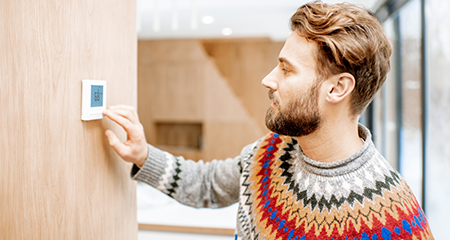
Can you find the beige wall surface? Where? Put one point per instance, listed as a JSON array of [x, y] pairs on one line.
[[59, 179]]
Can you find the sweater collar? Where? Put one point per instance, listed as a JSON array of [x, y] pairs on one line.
[[343, 166]]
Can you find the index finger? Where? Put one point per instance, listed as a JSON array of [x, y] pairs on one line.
[[125, 107], [126, 123], [126, 113]]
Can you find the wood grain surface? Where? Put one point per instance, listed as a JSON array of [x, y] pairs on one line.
[[59, 178]]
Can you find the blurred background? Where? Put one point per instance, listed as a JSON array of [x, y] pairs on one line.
[[200, 64]]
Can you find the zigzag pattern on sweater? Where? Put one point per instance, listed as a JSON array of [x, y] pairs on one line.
[[283, 205], [322, 202], [244, 222]]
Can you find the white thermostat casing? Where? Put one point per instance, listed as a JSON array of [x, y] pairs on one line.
[[93, 99]]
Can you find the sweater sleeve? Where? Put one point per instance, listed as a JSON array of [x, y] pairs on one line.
[[199, 184]]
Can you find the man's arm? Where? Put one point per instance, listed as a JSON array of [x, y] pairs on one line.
[[197, 184]]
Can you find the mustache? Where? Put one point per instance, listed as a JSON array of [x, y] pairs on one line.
[[272, 97]]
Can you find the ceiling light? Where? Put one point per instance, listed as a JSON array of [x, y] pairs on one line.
[[208, 19], [227, 31]]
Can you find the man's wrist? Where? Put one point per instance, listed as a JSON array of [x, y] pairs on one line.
[[142, 160], [139, 165]]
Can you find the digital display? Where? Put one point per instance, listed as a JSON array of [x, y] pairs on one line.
[[96, 96]]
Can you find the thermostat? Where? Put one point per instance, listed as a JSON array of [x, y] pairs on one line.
[[93, 99]]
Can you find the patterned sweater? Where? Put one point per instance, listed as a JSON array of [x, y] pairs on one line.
[[283, 194]]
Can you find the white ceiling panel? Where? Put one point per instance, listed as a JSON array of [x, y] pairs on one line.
[[175, 19]]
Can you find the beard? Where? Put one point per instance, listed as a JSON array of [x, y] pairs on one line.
[[299, 117]]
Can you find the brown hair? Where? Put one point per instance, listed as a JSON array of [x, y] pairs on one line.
[[349, 39]]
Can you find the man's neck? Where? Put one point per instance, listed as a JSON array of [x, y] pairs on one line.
[[331, 143]]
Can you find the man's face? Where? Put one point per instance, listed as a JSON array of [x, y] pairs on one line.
[[294, 90]]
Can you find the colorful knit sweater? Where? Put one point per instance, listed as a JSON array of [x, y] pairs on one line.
[[283, 194]]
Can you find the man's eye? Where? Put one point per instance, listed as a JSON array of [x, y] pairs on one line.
[[285, 70]]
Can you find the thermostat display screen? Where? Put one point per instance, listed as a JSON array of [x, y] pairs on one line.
[[96, 96], [93, 99]]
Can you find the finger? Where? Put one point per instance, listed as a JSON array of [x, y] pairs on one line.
[[131, 129], [125, 107], [131, 108], [126, 111], [126, 114], [116, 144]]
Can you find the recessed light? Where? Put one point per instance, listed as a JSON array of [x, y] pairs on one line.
[[227, 31], [208, 19]]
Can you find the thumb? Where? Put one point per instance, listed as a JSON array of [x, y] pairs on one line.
[[115, 143], [112, 138]]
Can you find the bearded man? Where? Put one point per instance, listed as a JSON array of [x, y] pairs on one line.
[[317, 175]]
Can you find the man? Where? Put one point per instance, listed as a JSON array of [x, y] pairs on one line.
[[318, 175]]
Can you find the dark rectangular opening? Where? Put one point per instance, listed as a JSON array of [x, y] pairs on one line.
[[179, 134]]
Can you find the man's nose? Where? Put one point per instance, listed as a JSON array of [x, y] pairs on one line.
[[270, 82]]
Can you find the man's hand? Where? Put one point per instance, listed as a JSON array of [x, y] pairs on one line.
[[135, 149]]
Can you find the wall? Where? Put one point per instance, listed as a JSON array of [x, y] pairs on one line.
[[214, 83], [244, 63], [59, 178]]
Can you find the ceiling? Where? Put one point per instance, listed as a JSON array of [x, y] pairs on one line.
[[175, 19]]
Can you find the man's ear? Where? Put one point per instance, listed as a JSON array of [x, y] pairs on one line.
[[340, 86]]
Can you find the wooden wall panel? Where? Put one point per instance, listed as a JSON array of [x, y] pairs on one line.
[[59, 178], [244, 63], [228, 124], [179, 82], [171, 88], [176, 81]]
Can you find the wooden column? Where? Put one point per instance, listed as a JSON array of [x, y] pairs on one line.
[[59, 179]]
